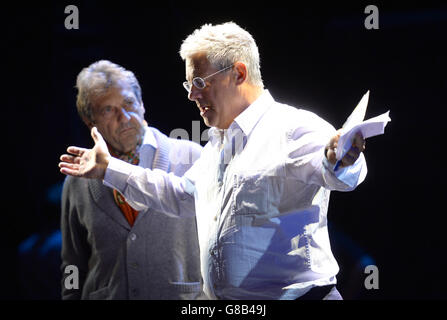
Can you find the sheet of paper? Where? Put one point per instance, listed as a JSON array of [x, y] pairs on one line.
[[358, 114], [369, 128]]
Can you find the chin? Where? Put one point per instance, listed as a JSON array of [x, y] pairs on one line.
[[129, 144], [209, 122]]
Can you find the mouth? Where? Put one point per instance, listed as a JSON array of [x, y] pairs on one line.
[[125, 130], [204, 110]]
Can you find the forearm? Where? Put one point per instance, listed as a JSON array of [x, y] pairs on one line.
[[156, 189], [307, 161]]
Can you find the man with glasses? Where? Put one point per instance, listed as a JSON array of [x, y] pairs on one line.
[[119, 252], [260, 190]]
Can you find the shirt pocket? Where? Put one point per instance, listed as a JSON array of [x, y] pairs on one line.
[[257, 193]]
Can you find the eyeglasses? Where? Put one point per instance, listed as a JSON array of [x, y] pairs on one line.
[[199, 82]]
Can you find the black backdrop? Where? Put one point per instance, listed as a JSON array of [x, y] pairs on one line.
[[319, 57]]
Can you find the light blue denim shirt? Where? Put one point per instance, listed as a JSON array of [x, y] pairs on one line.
[[260, 191]]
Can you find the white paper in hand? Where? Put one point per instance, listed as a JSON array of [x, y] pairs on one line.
[[355, 123]]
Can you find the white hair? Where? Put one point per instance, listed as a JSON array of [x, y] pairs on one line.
[[223, 45]]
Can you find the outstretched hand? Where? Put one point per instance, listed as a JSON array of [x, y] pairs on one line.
[[358, 146], [87, 163]]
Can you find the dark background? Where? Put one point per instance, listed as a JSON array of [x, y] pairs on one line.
[[319, 57]]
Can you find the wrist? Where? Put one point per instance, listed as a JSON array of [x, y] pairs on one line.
[[102, 163], [105, 165]]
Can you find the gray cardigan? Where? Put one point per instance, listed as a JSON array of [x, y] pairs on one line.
[[157, 258]]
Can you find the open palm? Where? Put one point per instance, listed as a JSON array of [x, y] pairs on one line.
[[86, 163]]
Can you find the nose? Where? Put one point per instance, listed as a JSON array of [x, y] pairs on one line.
[[123, 115], [194, 93]]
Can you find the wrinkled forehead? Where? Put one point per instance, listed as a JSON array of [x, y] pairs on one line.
[[115, 93], [197, 66], [125, 90]]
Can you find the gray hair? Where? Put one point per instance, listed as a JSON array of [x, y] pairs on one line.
[[225, 44], [96, 79]]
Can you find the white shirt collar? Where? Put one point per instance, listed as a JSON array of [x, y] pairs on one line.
[[248, 118]]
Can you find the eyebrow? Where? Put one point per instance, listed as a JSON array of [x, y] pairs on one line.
[[193, 73], [129, 99]]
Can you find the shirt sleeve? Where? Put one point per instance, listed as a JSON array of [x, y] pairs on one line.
[[156, 189], [306, 160], [346, 178]]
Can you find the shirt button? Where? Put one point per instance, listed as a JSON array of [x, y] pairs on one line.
[[134, 265], [133, 236], [134, 292]]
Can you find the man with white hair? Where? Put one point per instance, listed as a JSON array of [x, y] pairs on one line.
[[260, 189], [119, 252]]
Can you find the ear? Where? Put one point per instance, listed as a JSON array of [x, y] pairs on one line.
[[241, 72]]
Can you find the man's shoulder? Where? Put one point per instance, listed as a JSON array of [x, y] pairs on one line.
[[75, 187], [75, 182], [293, 111], [290, 117]]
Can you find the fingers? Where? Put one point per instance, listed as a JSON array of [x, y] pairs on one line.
[[347, 161], [354, 153], [359, 142], [331, 151], [335, 138], [69, 169], [76, 151], [331, 147], [97, 137], [351, 156], [70, 159], [94, 133], [69, 172], [72, 166], [69, 164]]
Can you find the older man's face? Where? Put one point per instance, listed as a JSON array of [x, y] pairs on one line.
[[119, 117], [215, 101]]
